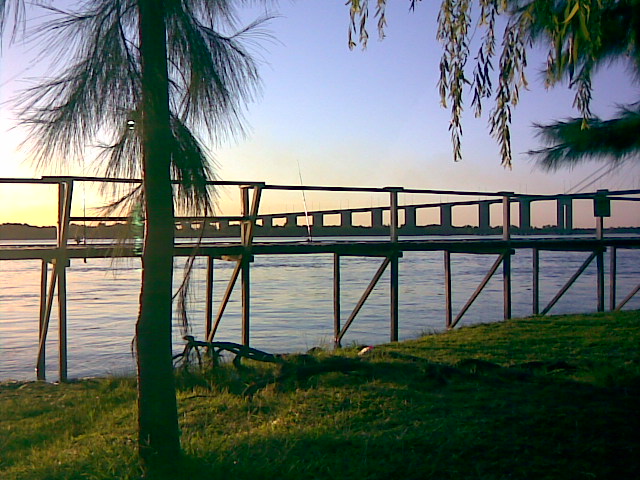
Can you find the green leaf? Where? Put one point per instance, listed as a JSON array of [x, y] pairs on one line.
[[572, 13]]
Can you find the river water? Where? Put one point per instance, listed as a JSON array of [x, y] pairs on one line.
[[291, 303]]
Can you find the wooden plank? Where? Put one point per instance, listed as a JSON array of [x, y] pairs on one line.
[[479, 289], [363, 298], [225, 300], [628, 297], [234, 250], [569, 283]]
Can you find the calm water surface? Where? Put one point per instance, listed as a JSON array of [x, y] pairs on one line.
[[291, 303]]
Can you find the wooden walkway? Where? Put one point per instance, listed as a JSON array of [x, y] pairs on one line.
[[243, 251], [220, 250]]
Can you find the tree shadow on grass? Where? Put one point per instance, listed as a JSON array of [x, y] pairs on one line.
[[406, 417]]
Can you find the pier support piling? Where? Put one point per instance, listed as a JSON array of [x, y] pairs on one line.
[[209, 298], [535, 284], [65, 192], [245, 282], [447, 290], [394, 298], [336, 301], [43, 323], [506, 262], [613, 267]]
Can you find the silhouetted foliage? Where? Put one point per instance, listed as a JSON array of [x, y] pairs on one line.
[[581, 36]]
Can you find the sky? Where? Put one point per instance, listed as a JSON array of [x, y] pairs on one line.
[[331, 116]]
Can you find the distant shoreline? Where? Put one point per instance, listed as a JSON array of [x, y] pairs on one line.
[[23, 231]]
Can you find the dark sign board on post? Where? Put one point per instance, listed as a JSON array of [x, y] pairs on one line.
[[602, 204]]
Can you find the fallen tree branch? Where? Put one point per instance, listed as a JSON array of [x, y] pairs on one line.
[[215, 349]]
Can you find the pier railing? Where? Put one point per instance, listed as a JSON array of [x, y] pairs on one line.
[[250, 220]]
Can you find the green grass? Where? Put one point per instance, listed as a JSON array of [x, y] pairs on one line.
[[545, 397]]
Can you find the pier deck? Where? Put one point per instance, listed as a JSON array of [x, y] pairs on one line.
[[340, 247]]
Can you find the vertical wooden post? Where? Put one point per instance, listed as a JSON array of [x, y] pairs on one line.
[[62, 319], [599, 228], [447, 289], [613, 277], [209, 301], [506, 215], [41, 363], [600, 279], [65, 190], [506, 281], [246, 297], [506, 262], [46, 316], [394, 283], [393, 213], [244, 227], [245, 267], [600, 265], [336, 301], [536, 281], [393, 336]]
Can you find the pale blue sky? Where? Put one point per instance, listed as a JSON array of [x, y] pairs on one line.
[[371, 118]]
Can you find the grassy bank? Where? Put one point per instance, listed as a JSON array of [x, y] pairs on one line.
[[552, 397]]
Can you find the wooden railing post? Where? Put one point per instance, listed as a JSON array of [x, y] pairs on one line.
[[393, 213], [506, 215], [506, 262], [394, 259]]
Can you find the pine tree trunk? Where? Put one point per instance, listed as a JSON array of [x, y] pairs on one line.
[[159, 442]]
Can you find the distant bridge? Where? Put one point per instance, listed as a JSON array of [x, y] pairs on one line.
[[265, 223]]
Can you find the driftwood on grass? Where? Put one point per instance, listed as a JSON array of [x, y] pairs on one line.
[[299, 367], [215, 348]]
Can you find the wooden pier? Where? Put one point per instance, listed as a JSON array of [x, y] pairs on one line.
[[56, 259]]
